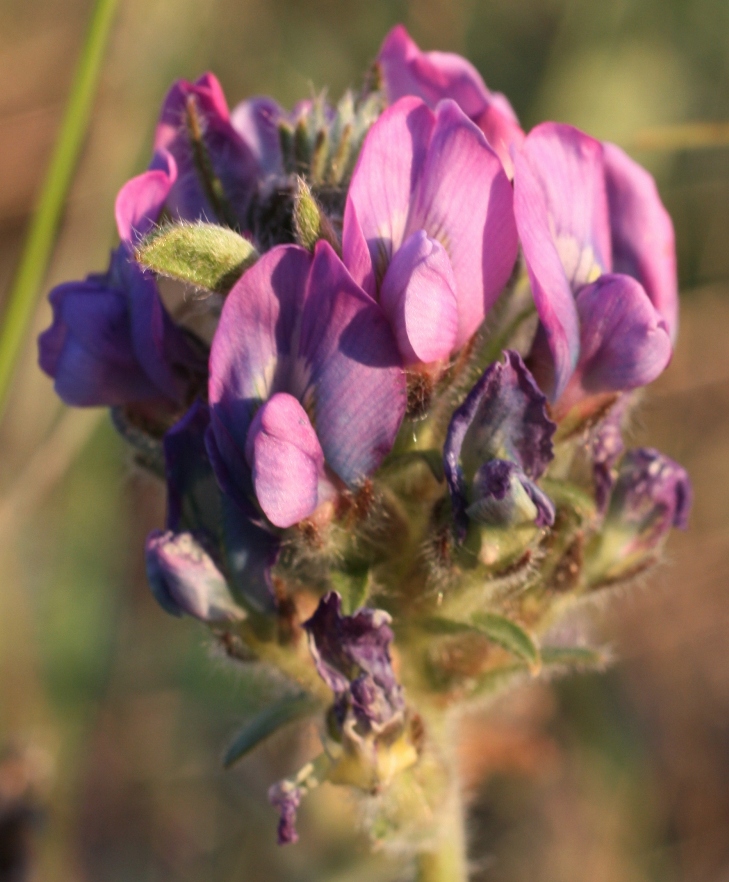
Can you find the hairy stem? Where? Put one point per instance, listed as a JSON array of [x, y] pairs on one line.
[[42, 233], [448, 862]]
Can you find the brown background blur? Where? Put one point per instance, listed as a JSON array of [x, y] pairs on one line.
[[113, 715]]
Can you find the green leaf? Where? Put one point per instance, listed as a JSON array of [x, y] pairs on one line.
[[204, 255], [268, 721], [353, 588], [498, 629], [574, 656], [507, 634]]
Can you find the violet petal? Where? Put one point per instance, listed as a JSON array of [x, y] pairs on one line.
[[624, 342], [418, 295], [286, 460], [562, 216], [651, 495], [465, 201], [433, 76], [355, 649], [349, 369], [503, 417], [643, 240]]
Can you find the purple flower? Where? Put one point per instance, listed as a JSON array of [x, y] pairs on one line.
[[433, 76], [286, 797], [578, 207], [196, 504], [185, 579], [111, 341], [652, 493], [499, 443], [218, 171], [352, 655], [306, 387], [428, 226]]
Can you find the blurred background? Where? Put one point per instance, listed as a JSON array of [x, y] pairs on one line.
[[114, 716]]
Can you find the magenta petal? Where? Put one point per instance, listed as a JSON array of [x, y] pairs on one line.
[[624, 341], [252, 345], [349, 369], [433, 76], [226, 155], [419, 297], [499, 124], [355, 253], [643, 240], [464, 199], [389, 164], [562, 216], [140, 201], [287, 461]]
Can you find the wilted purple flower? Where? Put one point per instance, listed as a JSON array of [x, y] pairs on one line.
[[305, 387], [185, 579], [433, 76], [352, 655], [286, 797], [111, 341], [218, 171], [600, 331], [429, 227], [499, 443]]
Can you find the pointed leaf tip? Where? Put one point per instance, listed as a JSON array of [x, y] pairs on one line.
[[266, 722], [510, 636], [205, 255]]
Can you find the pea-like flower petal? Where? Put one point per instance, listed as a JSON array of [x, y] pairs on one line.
[[433, 76], [643, 239]]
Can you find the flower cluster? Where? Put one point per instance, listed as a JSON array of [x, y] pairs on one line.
[[391, 424]]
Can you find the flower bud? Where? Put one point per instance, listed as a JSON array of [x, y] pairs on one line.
[[652, 493], [185, 579]]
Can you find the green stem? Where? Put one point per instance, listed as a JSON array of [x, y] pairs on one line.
[[41, 237], [448, 862]]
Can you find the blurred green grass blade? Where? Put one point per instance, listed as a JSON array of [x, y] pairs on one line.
[[268, 721], [42, 234]]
